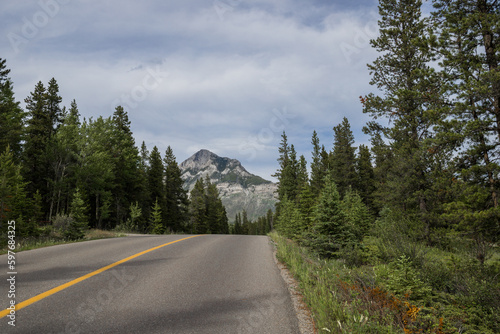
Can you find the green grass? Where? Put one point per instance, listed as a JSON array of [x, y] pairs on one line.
[[443, 292], [49, 237]]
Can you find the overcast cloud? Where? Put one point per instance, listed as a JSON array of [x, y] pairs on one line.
[[226, 75]]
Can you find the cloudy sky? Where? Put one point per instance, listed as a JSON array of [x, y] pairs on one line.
[[225, 75]]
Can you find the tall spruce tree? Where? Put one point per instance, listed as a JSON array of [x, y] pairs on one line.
[[366, 175], [12, 117], [470, 47], [198, 208], [318, 170], [126, 166], [37, 137], [176, 200], [411, 92], [155, 179], [343, 158]]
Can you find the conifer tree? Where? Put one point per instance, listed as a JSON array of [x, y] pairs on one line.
[[155, 219], [318, 170], [79, 218], [13, 201], [343, 159], [52, 103], [470, 47], [237, 224], [410, 100], [330, 231], [197, 208], [38, 130], [288, 170], [12, 117], [366, 176], [155, 179], [176, 197], [126, 166]]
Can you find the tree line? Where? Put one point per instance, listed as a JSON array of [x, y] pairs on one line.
[[56, 168], [435, 135], [417, 213]]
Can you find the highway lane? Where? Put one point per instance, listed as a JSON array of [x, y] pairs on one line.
[[205, 284]]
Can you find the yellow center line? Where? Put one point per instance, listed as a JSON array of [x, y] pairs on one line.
[[82, 278]]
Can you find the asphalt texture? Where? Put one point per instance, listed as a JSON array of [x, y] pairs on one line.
[[206, 284]]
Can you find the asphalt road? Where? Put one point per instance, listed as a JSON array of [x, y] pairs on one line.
[[205, 284]]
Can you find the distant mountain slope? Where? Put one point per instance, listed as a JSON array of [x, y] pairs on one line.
[[239, 189]]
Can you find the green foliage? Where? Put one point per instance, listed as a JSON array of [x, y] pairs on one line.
[[12, 117], [402, 279], [79, 220], [343, 159], [176, 200], [290, 222], [155, 219]]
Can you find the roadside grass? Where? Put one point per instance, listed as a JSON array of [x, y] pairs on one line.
[[50, 237], [442, 294]]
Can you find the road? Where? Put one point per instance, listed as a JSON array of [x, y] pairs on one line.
[[203, 284]]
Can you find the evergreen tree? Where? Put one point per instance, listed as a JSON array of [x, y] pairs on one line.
[[94, 170], [13, 201], [52, 103], [79, 219], [155, 179], [12, 116], [366, 175], [470, 47], [287, 172], [63, 151], [318, 170], [343, 159], [126, 166], [410, 102], [197, 208], [176, 197], [155, 221], [330, 231], [357, 216], [237, 224], [290, 222], [38, 130]]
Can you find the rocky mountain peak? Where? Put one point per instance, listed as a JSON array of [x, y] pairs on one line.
[[239, 189]]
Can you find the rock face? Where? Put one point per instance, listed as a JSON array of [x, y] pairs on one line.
[[238, 189]]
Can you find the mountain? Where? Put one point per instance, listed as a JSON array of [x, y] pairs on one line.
[[239, 190]]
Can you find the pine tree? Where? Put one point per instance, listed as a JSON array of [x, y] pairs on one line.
[[52, 103], [155, 220], [287, 172], [94, 170], [198, 208], [410, 101], [318, 170], [155, 179], [176, 197], [13, 202], [78, 213], [12, 117], [126, 166], [470, 47], [330, 231], [343, 159], [63, 157], [38, 131], [366, 175], [237, 224]]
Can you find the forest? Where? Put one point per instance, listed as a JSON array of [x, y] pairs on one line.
[[403, 235], [59, 172]]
